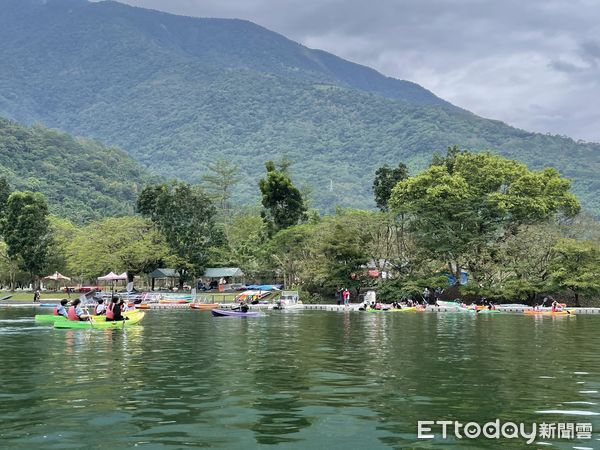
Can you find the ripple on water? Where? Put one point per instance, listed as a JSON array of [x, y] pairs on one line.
[[566, 412], [305, 380]]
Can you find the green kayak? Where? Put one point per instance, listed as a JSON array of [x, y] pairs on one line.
[[490, 311], [51, 318]]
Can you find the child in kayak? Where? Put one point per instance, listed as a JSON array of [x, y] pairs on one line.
[[76, 312], [100, 308], [60, 310]]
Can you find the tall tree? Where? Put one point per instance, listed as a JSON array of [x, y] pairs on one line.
[[222, 175], [282, 201], [577, 267], [186, 217], [117, 244], [386, 178], [5, 191], [26, 231], [457, 207]]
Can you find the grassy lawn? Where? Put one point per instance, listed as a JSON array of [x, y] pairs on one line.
[[27, 297]]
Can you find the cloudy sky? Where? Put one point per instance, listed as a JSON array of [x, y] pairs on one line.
[[534, 64]]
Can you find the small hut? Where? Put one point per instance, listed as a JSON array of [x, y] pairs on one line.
[[165, 275], [221, 276]]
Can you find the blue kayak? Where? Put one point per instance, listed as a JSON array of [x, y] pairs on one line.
[[231, 313]]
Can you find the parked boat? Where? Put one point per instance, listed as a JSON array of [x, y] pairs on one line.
[[231, 313], [204, 306], [288, 300]]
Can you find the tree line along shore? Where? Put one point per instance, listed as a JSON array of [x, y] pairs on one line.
[[508, 233]]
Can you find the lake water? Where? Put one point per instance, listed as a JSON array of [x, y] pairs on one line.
[[299, 380]]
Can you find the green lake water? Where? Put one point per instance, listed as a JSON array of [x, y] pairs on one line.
[[299, 380]]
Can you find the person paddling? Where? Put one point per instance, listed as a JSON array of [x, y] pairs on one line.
[[60, 310], [76, 312]]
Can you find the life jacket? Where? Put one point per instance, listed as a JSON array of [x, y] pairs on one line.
[[96, 313], [56, 310], [110, 311], [71, 315]]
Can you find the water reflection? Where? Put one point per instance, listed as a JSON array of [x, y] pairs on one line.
[[308, 379]]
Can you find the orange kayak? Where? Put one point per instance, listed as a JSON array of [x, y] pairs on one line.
[[142, 306], [173, 302], [204, 305], [564, 312]]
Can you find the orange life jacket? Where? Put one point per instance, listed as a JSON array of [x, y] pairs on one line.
[[71, 314], [110, 314]]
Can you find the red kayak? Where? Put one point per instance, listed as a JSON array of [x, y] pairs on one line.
[[204, 305]]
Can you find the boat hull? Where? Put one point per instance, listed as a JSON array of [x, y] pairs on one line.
[[204, 306], [226, 313], [100, 324]]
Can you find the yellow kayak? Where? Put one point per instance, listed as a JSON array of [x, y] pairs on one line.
[[134, 319]]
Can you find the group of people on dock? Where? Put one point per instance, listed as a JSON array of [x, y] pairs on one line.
[[76, 311]]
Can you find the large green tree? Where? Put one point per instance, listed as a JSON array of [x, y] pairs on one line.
[[386, 178], [577, 267], [282, 201], [27, 231], [463, 202], [218, 181], [129, 243], [185, 215]]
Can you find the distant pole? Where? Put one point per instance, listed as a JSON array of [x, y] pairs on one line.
[[330, 185]]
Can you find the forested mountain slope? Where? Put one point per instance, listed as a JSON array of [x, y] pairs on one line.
[[177, 92], [82, 179]]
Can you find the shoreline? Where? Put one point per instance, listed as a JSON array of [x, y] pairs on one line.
[[320, 307]]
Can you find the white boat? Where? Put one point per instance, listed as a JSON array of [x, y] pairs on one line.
[[288, 300]]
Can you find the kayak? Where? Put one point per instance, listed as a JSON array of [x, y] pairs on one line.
[[100, 324], [489, 311], [229, 313], [204, 305], [566, 312], [51, 318], [448, 304], [174, 302], [394, 310]]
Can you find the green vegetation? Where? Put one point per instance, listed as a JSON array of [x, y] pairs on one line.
[[82, 180], [386, 179], [282, 201], [516, 232], [179, 92], [186, 218], [465, 202], [26, 231]]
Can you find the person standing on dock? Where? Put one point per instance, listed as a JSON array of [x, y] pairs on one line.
[[36, 296]]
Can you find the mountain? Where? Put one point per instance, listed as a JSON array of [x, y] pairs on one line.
[[82, 179], [177, 92]]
